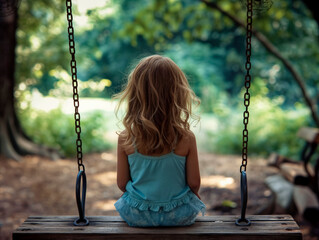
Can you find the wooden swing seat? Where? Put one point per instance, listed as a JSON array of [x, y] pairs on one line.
[[275, 227]]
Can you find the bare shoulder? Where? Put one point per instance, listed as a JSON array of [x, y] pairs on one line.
[[121, 139], [121, 144], [188, 138], [186, 143]]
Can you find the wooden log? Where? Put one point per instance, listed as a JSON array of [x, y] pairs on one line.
[[276, 227], [282, 189], [291, 171], [307, 203], [275, 160], [311, 135]]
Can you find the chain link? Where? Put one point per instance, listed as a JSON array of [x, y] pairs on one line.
[[247, 84], [76, 102]]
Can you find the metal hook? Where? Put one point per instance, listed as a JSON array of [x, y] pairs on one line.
[[82, 220], [242, 221]]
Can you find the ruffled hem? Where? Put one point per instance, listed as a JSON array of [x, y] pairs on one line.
[[144, 205]]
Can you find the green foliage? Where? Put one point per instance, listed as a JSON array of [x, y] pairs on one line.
[[206, 44], [42, 43], [205, 79], [56, 129], [271, 128], [286, 24], [229, 204], [115, 34]]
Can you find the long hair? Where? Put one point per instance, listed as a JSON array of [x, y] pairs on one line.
[[159, 105]]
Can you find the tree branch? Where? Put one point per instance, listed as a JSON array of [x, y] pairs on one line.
[[274, 51]]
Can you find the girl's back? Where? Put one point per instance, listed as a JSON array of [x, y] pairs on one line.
[[152, 174]]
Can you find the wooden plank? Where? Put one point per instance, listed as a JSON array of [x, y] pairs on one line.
[[276, 227], [42, 226], [226, 218], [311, 135]]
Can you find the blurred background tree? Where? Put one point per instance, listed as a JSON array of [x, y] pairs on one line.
[[205, 38]]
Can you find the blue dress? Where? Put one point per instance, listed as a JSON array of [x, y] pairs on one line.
[[158, 194]]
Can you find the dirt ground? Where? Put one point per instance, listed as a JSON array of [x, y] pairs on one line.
[[39, 186]]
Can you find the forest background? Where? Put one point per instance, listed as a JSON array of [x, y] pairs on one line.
[[206, 40]]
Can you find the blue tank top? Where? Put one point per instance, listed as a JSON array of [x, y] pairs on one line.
[[157, 181]]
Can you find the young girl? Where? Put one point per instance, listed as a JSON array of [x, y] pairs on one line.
[[157, 162]]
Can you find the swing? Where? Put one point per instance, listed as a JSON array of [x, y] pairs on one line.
[[113, 227]]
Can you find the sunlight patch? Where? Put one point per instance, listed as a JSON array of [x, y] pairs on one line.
[[106, 178], [108, 156], [218, 181], [105, 205]]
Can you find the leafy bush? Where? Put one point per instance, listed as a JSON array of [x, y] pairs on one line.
[[271, 128], [56, 129]]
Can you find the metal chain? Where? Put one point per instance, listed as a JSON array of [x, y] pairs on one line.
[[75, 85], [247, 84]]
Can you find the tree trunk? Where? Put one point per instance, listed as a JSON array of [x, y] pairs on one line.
[[13, 142], [313, 8], [273, 50]]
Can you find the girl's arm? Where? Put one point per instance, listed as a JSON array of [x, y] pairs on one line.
[[192, 167], [123, 169]]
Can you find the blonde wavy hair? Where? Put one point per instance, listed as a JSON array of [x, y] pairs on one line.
[[159, 105]]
